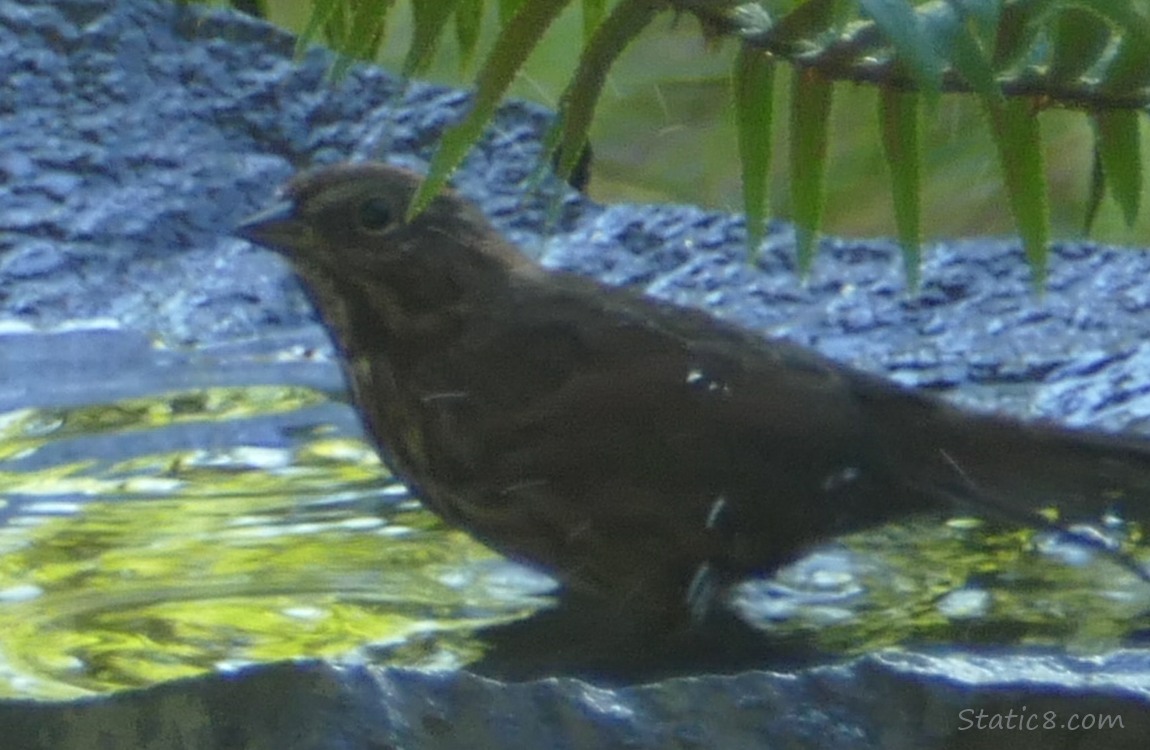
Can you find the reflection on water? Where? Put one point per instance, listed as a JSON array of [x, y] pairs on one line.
[[117, 573], [962, 582], [130, 553]]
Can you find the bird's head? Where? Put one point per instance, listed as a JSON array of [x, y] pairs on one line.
[[353, 217]]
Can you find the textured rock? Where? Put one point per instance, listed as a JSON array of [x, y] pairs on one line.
[[136, 133], [876, 703], [141, 132]]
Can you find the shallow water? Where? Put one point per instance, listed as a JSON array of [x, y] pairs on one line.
[[129, 556], [160, 535]]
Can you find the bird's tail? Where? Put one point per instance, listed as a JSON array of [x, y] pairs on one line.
[[1020, 470]]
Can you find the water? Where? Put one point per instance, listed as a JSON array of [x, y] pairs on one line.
[[164, 535], [188, 515]]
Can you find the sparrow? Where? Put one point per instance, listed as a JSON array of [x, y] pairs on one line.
[[644, 454]]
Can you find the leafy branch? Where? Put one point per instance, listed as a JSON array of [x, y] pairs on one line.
[[1018, 57]]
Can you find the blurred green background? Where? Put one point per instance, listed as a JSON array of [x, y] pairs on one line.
[[664, 132]]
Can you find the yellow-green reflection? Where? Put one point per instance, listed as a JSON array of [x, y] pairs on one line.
[[184, 562], [963, 582], [134, 593], [126, 572]]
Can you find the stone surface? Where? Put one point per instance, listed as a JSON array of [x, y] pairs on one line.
[[138, 132], [884, 702]]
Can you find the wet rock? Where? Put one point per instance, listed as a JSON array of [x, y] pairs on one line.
[[135, 133]]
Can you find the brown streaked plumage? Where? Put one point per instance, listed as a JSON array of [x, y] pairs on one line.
[[644, 453]]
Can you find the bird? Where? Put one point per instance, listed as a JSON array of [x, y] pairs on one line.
[[646, 455]]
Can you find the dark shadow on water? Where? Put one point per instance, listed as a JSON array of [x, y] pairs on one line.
[[577, 639]]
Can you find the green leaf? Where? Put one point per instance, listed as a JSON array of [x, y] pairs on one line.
[[754, 84], [367, 27], [1122, 14], [957, 43], [805, 22], [508, 9], [1129, 70], [577, 105], [1117, 144], [356, 30], [1014, 125], [322, 11], [1097, 190], [429, 20], [516, 40], [898, 121], [468, 22], [900, 25], [984, 12], [1019, 23], [593, 11], [1080, 38], [810, 118]]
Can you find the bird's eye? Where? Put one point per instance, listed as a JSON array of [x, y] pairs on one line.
[[375, 214]]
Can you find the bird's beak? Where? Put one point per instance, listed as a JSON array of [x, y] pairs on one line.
[[277, 227]]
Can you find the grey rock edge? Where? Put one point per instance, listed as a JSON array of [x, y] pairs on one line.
[[138, 133], [876, 703]]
